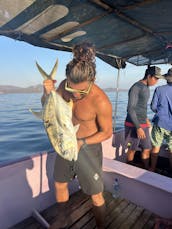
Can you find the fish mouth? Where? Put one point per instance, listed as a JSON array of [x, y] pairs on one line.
[[47, 124]]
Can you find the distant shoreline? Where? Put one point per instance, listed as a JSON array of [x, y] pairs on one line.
[[9, 89]]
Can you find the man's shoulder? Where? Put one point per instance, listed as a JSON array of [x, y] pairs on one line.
[[99, 94], [138, 86], [98, 90], [162, 87]]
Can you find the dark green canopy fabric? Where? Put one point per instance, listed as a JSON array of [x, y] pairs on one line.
[[138, 32]]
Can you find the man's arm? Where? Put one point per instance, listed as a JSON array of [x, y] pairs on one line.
[[132, 102], [154, 101]]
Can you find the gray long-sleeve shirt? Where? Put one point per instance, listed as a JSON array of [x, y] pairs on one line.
[[138, 96]]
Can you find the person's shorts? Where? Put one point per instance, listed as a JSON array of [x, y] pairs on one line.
[[159, 135], [88, 169], [135, 143]]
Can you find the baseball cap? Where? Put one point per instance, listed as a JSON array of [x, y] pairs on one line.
[[154, 71], [168, 76]]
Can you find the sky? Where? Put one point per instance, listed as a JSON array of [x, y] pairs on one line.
[[17, 61]]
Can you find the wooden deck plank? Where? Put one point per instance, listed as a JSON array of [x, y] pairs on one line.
[[78, 213], [78, 205], [83, 221], [91, 223], [116, 211], [122, 217], [120, 213], [142, 220], [76, 200], [130, 221], [51, 213], [110, 209], [150, 223]]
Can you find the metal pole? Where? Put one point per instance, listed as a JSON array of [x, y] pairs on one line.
[[40, 219], [116, 100]]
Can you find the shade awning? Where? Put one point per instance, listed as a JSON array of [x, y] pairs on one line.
[[138, 32]]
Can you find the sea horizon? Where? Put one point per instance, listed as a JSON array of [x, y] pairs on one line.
[[22, 134]]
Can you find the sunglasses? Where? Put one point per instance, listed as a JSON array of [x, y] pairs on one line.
[[82, 92]]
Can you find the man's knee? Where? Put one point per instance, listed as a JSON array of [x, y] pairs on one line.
[[130, 155], [61, 191], [61, 186], [146, 153], [98, 199], [155, 149]]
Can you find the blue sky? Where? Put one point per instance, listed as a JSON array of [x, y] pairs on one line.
[[18, 66]]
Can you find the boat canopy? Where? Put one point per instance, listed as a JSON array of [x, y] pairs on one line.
[[134, 31]]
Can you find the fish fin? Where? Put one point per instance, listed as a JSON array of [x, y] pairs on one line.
[[43, 73], [76, 127], [54, 70], [37, 114]]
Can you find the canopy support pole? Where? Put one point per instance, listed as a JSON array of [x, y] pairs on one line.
[[116, 100], [40, 219], [119, 64]]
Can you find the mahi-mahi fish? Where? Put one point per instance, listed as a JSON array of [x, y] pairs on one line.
[[57, 118]]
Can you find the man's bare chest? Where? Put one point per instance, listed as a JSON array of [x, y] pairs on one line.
[[84, 111]]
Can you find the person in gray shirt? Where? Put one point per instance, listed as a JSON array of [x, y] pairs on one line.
[[136, 123]]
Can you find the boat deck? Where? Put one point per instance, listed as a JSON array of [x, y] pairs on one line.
[[120, 214], [162, 168]]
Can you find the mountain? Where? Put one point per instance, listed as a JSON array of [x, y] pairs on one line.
[[7, 89], [109, 89]]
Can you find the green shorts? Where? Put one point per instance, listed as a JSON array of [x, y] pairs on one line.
[[159, 135], [87, 169]]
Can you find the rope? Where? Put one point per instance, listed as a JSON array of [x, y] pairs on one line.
[[116, 99]]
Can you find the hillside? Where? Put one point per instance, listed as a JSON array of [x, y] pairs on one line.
[[7, 89]]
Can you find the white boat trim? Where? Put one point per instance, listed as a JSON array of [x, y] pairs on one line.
[[147, 189], [27, 185]]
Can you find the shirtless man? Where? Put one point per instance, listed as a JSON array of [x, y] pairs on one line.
[[93, 111]]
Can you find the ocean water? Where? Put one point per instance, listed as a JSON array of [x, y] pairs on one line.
[[22, 134]]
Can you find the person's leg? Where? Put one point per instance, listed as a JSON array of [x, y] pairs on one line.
[[157, 135], [63, 172], [89, 173], [131, 142], [169, 142], [146, 146], [154, 157], [145, 158], [61, 192], [170, 160], [62, 196], [99, 210], [130, 155]]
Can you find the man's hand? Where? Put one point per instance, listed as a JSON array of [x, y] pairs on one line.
[[49, 86], [148, 122], [141, 133], [80, 143]]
